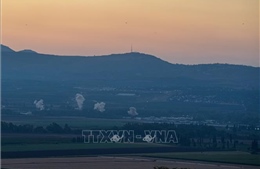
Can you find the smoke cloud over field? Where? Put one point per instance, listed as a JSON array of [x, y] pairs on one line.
[[132, 111], [100, 106], [80, 100], [27, 113], [39, 104]]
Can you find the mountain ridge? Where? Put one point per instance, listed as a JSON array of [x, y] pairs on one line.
[[5, 48], [130, 69]]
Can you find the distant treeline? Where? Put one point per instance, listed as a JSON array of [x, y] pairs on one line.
[[191, 130], [201, 136], [28, 128]]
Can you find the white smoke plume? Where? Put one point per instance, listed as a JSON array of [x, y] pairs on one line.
[[80, 100], [39, 104], [27, 113], [132, 111], [100, 106]]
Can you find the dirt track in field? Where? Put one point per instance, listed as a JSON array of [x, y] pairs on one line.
[[105, 162]]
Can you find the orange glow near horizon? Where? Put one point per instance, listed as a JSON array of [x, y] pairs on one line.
[[179, 31]]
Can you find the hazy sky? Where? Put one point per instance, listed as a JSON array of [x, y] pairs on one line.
[[179, 31]]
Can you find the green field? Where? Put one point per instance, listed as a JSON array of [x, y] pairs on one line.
[[35, 147], [236, 157]]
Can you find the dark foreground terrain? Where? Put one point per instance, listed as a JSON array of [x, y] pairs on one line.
[[102, 162]]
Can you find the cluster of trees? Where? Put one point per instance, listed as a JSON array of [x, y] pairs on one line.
[[162, 167], [199, 136], [254, 146], [188, 135]]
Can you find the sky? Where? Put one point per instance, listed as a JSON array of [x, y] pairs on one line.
[[178, 31]]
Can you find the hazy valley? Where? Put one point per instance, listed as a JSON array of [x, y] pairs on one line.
[[152, 86]]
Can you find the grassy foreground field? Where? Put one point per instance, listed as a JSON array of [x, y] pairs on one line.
[[235, 157], [112, 162], [68, 146]]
